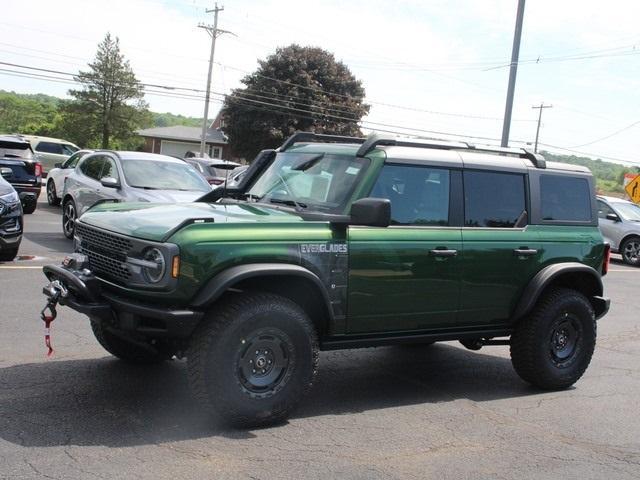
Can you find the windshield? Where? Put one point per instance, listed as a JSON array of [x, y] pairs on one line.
[[310, 181], [628, 211], [159, 175], [69, 149]]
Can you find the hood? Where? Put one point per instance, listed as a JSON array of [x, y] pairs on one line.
[[5, 187], [158, 221], [166, 196]]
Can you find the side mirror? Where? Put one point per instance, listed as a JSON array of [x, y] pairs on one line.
[[58, 165], [373, 212], [110, 182], [613, 217], [6, 172]]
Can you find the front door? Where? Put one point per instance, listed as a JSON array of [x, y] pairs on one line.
[[407, 276]]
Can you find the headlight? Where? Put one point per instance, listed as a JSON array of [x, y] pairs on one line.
[[154, 274], [10, 197]]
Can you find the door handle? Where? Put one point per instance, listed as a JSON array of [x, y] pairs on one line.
[[525, 252], [443, 252]]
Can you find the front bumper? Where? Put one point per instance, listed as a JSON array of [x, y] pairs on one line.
[[86, 296], [601, 306]]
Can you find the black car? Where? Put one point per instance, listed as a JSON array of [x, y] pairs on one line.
[[26, 173], [10, 219]]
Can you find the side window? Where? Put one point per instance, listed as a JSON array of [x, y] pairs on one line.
[[72, 161], [565, 198], [49, 147], [419, 195], [493, 199], [109, 169], [92, 167], [604, 209]]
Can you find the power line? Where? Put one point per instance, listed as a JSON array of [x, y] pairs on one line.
[[608, 136]]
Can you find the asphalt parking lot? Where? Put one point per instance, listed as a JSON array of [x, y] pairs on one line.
[[434, 412]]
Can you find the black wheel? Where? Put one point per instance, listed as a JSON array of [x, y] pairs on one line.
[[552, 348], [630, 251], [8, 254], [472, 343], [69, 215], [52, 197], [28, 207], [253, 359], [129, 351]]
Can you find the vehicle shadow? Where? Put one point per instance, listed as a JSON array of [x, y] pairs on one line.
[[107, 402]]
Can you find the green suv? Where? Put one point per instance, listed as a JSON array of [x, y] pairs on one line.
[[336, 242]]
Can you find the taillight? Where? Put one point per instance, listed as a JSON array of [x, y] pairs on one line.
[[38, 169], [607, 258]]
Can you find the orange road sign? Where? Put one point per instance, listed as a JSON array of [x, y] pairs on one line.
[[633, 189]]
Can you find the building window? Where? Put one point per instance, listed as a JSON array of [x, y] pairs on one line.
[[215, 152]]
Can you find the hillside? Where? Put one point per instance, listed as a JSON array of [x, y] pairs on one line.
[[36, 114]]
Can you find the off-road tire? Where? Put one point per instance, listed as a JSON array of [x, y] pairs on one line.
[[8, 255], [629, 251], [224, 344], [52, 196], [537, 342], [68, 209], [127, 351]]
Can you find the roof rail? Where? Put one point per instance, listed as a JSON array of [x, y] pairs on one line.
[[299, 137], [374, 140]]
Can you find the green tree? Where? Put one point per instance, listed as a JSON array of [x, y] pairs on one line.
[[296, 88], [111, 102]]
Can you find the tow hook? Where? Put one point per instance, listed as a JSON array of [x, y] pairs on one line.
[[54, 291]]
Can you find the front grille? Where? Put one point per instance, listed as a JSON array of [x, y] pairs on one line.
[[107, 252]]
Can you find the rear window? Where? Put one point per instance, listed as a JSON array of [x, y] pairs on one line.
[[15, 149], [565, 198]]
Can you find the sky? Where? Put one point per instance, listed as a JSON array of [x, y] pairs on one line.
[[433, 68]]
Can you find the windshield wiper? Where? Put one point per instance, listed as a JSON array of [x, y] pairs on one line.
[[291, 203], [145, 188], [308, 164]]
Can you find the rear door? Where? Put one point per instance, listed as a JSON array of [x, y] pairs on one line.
[[86, 185], [501, 252], [407, 276]]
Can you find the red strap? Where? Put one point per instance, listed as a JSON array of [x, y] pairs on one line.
[[47, 333]]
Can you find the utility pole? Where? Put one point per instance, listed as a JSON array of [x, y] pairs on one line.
[[515, 52], [214, 32], [540, 107]]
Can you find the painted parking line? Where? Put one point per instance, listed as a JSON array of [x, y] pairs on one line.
[[19, 267]]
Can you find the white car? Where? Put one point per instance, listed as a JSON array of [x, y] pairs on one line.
[[58, 175], [49, 151]]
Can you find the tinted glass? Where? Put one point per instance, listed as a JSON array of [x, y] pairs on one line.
[[49, 147], [109, 169], [493, 199], [565, 198], [418, 195], [92, 167], [72, 161]]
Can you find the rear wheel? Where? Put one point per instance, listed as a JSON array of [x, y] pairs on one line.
[[69, 218], [52, 196], [552, 348], [252, 360], [631, 251], [129, 350]]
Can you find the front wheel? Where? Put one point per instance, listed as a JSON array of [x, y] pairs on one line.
[[252, 360], [8, 255], [631, 251], [552, 348], [52, 196], [69, 218]]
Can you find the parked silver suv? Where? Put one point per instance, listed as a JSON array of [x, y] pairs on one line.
[[107, 175], [619, 222]]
